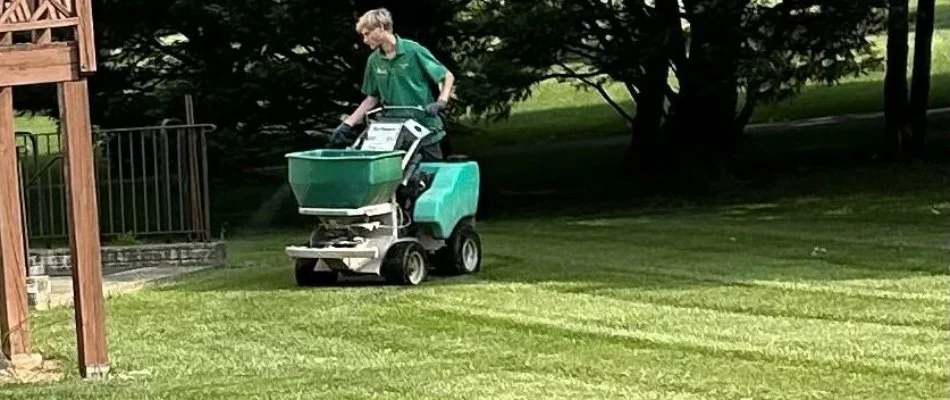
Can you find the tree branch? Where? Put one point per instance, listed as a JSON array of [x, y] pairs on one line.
[[581, 49], [745, 115], [603, 93], [576, 53], [571, 75], [633, 90]]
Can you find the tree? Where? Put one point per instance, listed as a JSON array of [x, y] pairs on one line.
[[920, 83], [684, 67], [895, 80], [262, 71]]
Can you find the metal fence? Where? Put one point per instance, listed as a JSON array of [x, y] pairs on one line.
[[151, 181]]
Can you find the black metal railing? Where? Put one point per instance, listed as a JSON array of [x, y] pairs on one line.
[[151, 181]]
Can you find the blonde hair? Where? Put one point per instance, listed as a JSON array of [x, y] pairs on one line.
[[372, 19]]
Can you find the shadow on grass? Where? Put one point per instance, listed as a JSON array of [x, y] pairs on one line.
[[831, 160], [536, 176], [578, 275], [527, 196], [805, 240]]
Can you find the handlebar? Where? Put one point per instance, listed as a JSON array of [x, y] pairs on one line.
[[369, 113], [374, 111], [383, 108]]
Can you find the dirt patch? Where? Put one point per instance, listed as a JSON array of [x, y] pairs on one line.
[[47, 371]]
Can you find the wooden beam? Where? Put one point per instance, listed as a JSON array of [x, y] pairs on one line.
[[14, 309], [83, 217], [42, 24], [42, 64], [86, 37], [14, 312], [45, 35]]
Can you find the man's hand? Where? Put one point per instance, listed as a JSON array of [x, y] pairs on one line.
[[434, 108], [341, 135]]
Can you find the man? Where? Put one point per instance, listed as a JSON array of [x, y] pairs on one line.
[[400, 72]]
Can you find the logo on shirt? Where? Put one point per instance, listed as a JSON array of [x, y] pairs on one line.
[[381, 71]]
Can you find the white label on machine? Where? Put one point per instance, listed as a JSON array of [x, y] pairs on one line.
[[416, 129], [381, 137]]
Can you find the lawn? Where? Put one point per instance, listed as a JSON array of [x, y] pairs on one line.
[[837, 291], [35, 124], [812, 297]]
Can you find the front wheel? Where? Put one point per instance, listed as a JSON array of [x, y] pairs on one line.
[[462, 253], [406, 263]]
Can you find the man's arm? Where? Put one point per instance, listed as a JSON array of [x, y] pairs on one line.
[[368, 103], [371, 89], [441, 75], [447, 85]]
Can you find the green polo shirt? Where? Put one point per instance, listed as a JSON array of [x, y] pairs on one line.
[[411, 78]]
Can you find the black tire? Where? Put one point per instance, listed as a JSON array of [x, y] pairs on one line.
[[462, 253], [406, 263], [306, 275]]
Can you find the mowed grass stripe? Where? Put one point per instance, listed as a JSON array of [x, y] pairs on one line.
[[598, 354], [565, 308], [233, 334], [766, 277], [770, 302], [907, 349], [840, 256], [881, 237], [579, 267], [907, 231], [629, 274], [791, 265], [394, 333]]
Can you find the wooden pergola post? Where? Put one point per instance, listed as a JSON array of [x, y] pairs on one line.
[[39, 60]]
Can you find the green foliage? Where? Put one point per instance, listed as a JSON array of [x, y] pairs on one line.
[[783, 45], [125, 239], [253, 66], [263, 71], [794, 43]]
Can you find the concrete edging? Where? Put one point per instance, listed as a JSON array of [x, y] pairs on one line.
[[56, 262]]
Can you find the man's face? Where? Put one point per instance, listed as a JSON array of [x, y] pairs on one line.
[[373, 37]]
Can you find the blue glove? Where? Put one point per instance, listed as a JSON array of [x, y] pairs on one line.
[[341, 135], [434, 108]]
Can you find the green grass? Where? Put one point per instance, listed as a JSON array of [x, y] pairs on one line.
[[35, 124], [800, 298], [831, 159]]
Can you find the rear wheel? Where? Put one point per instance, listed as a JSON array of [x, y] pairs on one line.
[[462, 253], [306, 274], [406, 264]]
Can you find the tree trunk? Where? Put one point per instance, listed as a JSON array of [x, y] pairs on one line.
[[745, 115], [705, 112], [645, 152], [648, 152], [920, 83], [895, 80]]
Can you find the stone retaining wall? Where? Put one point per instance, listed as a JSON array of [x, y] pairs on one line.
[[56, 262]]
